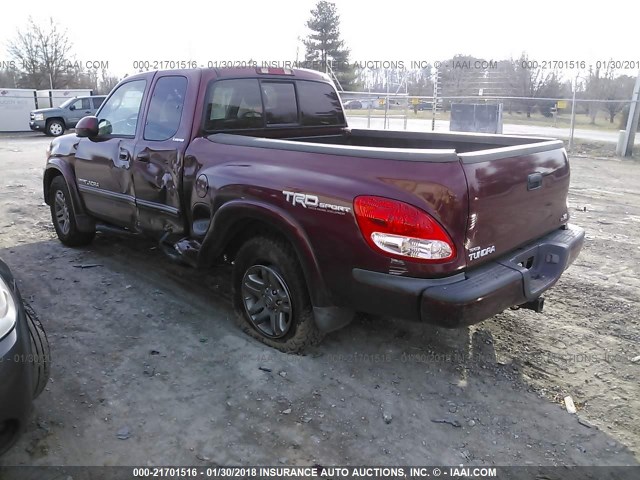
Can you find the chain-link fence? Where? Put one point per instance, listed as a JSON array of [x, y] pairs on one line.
[[589, 120]]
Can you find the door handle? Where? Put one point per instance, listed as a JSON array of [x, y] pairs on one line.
[[143, 157], [124, 155], [534, 181]]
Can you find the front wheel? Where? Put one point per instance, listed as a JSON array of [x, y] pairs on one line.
[[63, 216], [270, 296], [54, 128]]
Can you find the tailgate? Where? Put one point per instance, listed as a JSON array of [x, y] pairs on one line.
[[516, 194]]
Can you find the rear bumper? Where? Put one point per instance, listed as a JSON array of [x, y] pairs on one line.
[[478, 294]]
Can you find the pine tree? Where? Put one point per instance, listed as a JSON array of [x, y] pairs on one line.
[[325, 46]]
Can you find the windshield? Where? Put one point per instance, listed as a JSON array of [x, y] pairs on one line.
[[66, 103]]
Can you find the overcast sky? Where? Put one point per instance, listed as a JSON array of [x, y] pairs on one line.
[[122, 32]]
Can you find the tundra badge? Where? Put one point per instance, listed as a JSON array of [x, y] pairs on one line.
[[478, 252]]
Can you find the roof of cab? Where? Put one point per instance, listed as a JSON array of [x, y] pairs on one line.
[[247, 72], [299, 73]]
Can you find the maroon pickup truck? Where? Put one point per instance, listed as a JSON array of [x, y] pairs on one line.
[[258, 168]]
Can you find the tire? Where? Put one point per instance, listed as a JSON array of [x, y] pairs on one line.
[[272, 263], [63, 216], [40, 351], [9, 433], [54, 128]]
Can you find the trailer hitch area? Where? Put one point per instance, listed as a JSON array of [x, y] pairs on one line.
[[536, 305]]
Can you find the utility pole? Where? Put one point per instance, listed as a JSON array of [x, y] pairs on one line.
[[573, 112], [626, 149]]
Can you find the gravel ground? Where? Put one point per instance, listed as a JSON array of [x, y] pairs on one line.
[[148, 367]]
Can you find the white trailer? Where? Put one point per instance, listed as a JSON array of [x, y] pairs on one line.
[[54, 98], [15, 106]]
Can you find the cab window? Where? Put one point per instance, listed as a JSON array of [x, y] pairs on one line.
[[233, 105], [120, 113], [319, 104], [280, 104], [81, 104], [165, 109]]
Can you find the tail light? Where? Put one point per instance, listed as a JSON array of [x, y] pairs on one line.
[[400, 230]]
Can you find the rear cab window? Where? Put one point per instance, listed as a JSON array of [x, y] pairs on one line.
[[319, 104], [251, 103], [280, 104]]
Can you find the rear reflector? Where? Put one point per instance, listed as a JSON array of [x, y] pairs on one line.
[[400, 230], [275, 71]]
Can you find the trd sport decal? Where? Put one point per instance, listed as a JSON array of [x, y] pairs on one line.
[[312, 202]]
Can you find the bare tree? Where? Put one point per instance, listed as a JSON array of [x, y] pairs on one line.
[[593, 91], [530, 81], [616, 88], [8, 78], [419, 82], [461, 77], [106, 83], [43, 54]]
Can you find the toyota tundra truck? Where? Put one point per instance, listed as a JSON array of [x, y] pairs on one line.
[[257, 168]]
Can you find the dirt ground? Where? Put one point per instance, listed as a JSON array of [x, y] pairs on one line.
[[149, 368]]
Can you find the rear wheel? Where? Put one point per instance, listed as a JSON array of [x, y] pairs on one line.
[[270, 295], [63, 217], [40, 351]]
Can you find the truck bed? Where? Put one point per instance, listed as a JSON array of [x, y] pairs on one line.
[[413, 146], [516, 185]]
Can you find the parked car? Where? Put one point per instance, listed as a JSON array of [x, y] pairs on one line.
[[54, 121], [353, 104], [24, 359], [258, 168]]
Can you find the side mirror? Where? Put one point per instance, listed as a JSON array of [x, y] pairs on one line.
[[72, 107], [87, 127]]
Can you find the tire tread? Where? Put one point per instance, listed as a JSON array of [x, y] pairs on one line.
[[307, 333], [40, 350]]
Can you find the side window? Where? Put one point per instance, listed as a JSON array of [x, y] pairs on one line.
[[121, 111], [165, 109], [280, 104], [77, 105], [97, 101], [86, 104], [319, 104], [233, 104]]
